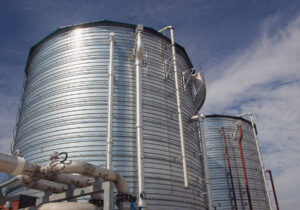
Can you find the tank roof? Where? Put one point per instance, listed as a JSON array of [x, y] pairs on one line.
[[231, 117], [102, 23]]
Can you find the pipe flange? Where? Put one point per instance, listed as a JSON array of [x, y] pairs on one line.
[[121, 197]]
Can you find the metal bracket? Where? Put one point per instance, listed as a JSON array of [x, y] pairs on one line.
[[167, 67], [186, 77]]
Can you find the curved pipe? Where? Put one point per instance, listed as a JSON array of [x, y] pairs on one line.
[[244, 166], [273, 188], [165, 28], [229, 167]]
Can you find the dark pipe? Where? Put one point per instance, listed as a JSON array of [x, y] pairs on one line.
[[244, 167], [229, 167], [273, 188]]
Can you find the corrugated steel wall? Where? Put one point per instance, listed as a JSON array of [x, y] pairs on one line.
[[64, 108], [217, 163]]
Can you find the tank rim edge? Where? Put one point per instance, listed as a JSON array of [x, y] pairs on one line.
[[101, 23], [231, 117]]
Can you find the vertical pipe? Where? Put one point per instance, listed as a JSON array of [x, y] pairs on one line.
[[185, 175], [108, 186], [110, 100], [273, 188], [204, 153], [244, 167], [139, 119], [229, 167], [179, 112], [260, 160]]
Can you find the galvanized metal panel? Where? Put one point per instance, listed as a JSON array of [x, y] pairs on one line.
[[219, 173], [64, 108]]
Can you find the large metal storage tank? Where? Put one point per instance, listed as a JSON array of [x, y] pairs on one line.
[[64, 109], [227, 175]]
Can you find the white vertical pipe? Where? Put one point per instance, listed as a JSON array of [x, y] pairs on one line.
[[139, 119], [204, 154], [108, 186], [260, 160], [185, 175], [110, 101], [179, 112]]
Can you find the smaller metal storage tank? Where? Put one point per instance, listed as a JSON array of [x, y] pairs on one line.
[[236, 176]]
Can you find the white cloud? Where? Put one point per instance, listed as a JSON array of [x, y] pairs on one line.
[[265, 80]]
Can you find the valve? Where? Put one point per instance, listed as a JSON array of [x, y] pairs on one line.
[[55, 156]]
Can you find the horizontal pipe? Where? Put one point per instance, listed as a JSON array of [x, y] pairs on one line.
[[165, 28], [64, 206], [194, 118], [16, 165], [77, 180], [42, 185], [88, 169]]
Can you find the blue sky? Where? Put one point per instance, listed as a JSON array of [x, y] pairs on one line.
[[249, 52]]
